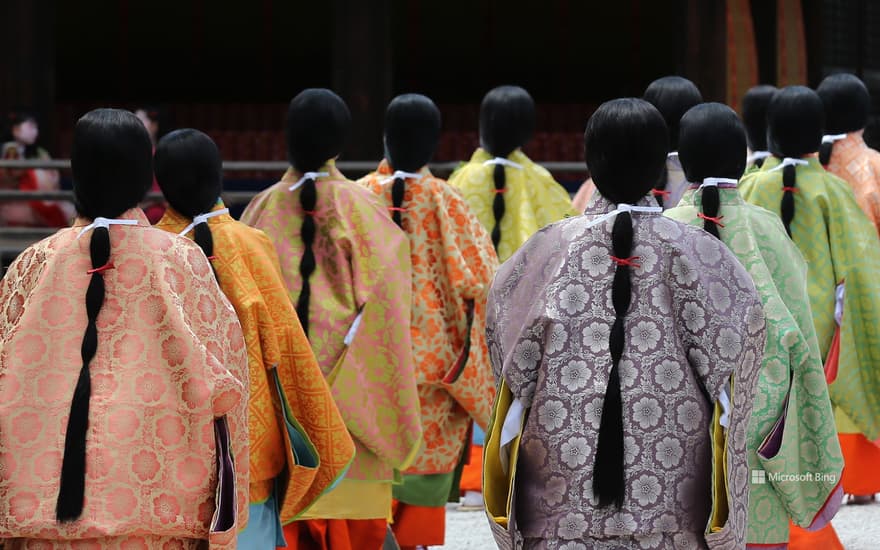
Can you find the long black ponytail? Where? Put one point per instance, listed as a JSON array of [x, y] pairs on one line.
[[308, 199], [710, 209], [786, 209], [499, 178], [398, 190], [112, 170], [847, 105]]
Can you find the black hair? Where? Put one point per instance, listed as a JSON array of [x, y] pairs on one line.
[[318, 121], [189, 170], [625, 144], [20, 116], [412, 132], [795, 124], [112, 170], [754, 111], [847, 107], [712, 143], [507, 121], [672, 96]]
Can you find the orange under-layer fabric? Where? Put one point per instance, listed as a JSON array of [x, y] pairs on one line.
[[861, 476], [336, 534], [418, 525], [472, 475], [824, 539]]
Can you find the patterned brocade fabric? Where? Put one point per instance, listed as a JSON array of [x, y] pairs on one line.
[[533, 198], [170, 359], [791, 386], [858, 164], [840, 244], [694, 323], [363, 265], [453, 263], [248, 272]]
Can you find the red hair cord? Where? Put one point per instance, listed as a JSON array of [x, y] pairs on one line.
[[396, 209], [103, 268], [309, 212], [716, 221], [661, 193], [212, 258], [790, 189], [502, 190], [629, 262]]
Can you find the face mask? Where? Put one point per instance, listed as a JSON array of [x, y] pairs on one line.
[[26, 132]]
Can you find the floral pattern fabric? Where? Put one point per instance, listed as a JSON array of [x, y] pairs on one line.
[[859, 165], [694, 324], [170, 359], [453, 264], [791, 387], [362, 266], [840, 244], [249, 274], [532, 198]]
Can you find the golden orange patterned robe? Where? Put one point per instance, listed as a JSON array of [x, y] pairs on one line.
[[852, 160], [249, 274], [453, 265], [170, 359], [363, 267]]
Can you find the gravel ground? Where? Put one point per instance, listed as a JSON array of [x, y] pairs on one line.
[[857, 526]]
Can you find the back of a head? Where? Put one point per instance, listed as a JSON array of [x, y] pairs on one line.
[[754, 109], [795, 122], [412, 131], [626, 143], [507, 120], [712, 143], [673, 96], [847, 103], [111, 161], [189, 170], [318, 122]]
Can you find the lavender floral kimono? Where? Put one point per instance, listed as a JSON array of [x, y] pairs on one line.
[[694, 331]]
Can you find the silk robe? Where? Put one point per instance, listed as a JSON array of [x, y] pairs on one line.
[[858, 164], [250, 276], [532, 199], [362, 267], [694, 327], [840, 245], [791, 386], [170, 359]]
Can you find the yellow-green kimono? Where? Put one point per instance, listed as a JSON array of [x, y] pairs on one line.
[[790, 435], [532, 197], [840, 245]]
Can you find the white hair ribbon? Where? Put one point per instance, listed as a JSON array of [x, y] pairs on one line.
[[403, 175], [307, 176], [788, 161], [503, 161], [831, 138], [715, 182], [203, 218], [623, 207], [758, 155], [672, 154], [105, 223]]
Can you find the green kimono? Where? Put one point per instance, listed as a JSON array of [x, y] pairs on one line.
[[840, 245], [790, 436]]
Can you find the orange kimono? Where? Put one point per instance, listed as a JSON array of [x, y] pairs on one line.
[[359, 330], [281, 363], [170, 360], [858, 164], [453, 264]]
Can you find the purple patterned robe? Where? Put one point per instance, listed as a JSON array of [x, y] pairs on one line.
[[695, 323]]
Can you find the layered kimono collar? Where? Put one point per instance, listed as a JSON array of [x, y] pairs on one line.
[[851, 139], [328, 172], [516, 159], [174, 219], [600, 205], [812, 163], [728, 195], [385, 170], [132, 216]]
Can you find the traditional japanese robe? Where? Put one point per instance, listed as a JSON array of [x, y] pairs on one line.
[[840, 245], [858, 164], [362, 269], [532, 199], [170, 359], [279, 360], [791, 434], [695, 326]]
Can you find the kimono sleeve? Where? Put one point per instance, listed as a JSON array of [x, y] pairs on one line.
[[17, 285], [375, 376]]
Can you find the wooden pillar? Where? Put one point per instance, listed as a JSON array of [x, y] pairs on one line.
[[27, 73], [362, 71], [705, 47]]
